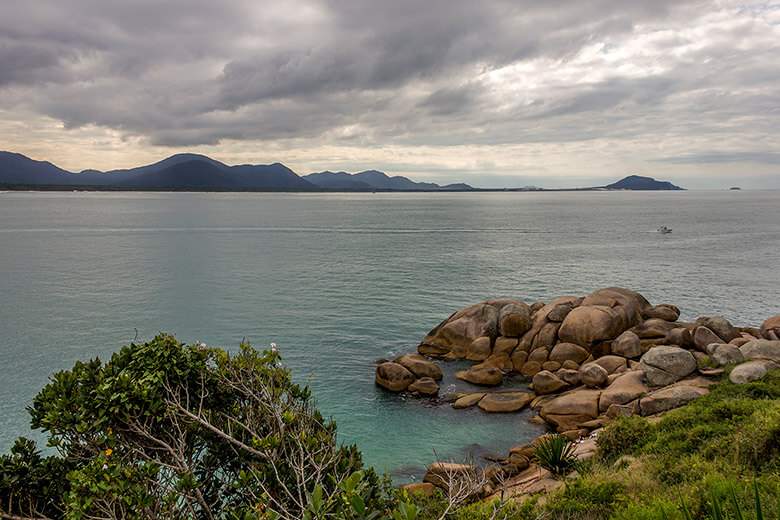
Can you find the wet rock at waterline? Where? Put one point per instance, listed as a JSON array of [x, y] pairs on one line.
[[393, 377], [505, 402], [419, 366]]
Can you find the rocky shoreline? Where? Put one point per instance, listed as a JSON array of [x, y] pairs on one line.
[[588, 361]]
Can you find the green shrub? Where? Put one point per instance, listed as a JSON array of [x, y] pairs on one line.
[[555, 453], [31, 485], [583, 499], [167, 430], [526, 510], [757, 442], [623, 436], [657, 509]]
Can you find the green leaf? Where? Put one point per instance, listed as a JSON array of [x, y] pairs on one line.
[[358, 505], [759, 512], [686, 512], [735, 505], [717, 510], [316, 498]]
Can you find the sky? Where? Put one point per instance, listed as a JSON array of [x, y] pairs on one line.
[[560, 93]]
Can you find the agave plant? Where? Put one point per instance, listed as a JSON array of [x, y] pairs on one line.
[[555, 453]]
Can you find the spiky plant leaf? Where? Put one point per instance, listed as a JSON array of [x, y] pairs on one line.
[[555, 454]]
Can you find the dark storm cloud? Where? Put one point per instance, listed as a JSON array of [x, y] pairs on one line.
[[188, 72], [28, 63]]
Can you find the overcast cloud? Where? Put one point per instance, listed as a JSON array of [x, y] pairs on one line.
[[557, 93]]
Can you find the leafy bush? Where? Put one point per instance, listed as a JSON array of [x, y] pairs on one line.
[[624, 435], [32, 485], [166, 430], [555, 453]]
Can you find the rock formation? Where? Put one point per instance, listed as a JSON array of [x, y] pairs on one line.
[[588, 359]]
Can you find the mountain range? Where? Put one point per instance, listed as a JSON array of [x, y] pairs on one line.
[[193, 172], [198, 172]]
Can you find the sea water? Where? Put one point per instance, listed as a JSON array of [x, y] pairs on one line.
[[339, 281]]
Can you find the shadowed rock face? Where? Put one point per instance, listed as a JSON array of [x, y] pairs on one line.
[[393, 376], [457, 332], [424, 386]]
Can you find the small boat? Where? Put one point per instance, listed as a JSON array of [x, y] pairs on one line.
[[664, 230]]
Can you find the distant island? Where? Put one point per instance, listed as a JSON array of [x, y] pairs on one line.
[[636, 182], [193, 172]]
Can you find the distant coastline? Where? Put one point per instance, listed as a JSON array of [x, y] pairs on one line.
[[198, 173], [186, 189]]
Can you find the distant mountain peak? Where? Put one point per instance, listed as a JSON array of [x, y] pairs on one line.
[[638, 182]]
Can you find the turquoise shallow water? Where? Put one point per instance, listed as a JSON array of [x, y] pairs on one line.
[[341, 280]]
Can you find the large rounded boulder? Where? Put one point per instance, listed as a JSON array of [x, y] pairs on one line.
[[770, 329], [624, 389], [456, 333], [568, 411], [603, 315], [419, 366], [545, 382], [592, 375], [751, 371], [681, 337], [720, 326], [443, 474], [514, 320], [665, 365], [568, 351], [424, 386], [540, 321], [703, 336], [627, 345], [393, 377], [761, 349], [506, 402], [664, 311], [481, 375]]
